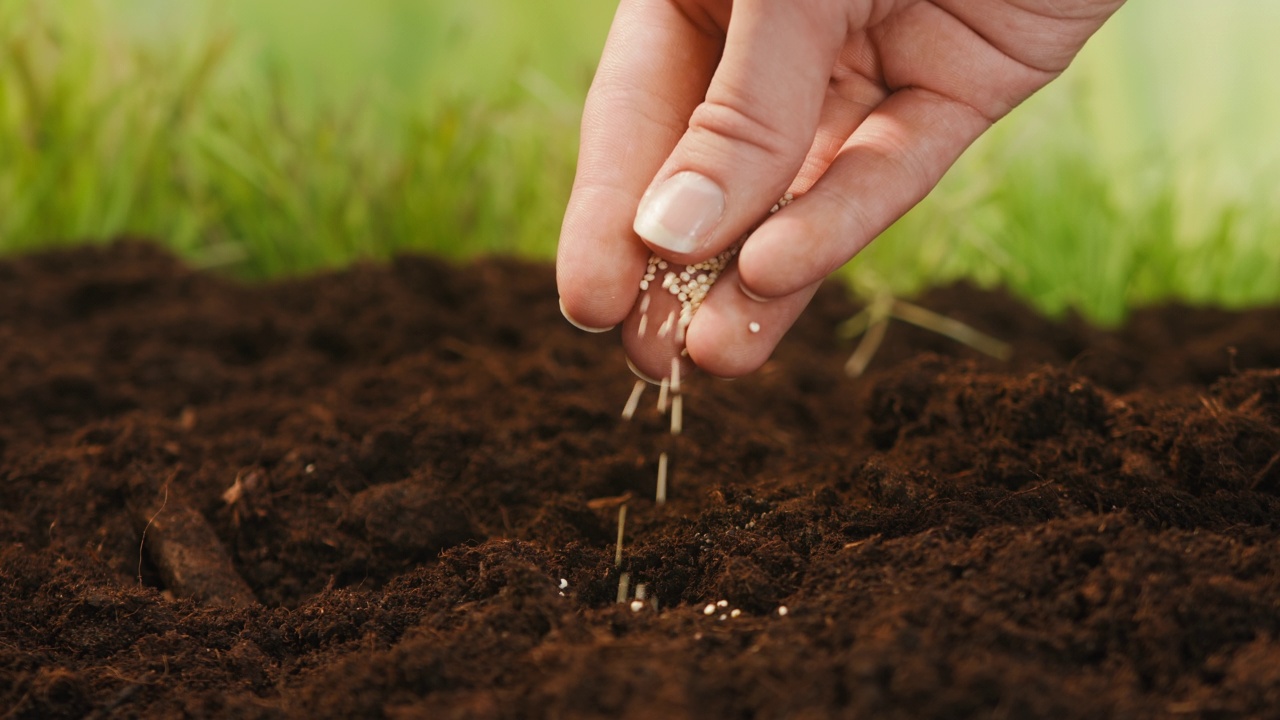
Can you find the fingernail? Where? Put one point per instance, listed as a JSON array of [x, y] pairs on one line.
[[579, 325], [750, 294], [680, 212]]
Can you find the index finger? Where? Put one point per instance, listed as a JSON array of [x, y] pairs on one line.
[[656, 67]]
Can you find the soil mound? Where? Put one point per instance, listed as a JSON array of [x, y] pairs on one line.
[[393, 490]]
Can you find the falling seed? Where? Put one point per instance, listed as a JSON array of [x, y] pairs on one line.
[[624, 587], [644, 303], [634, 401], [563, 583], [677, 414], [710, 609], [662, 479], [735, 612], [644, 325], [637, 605], [642, 591], [675, 375], [753, 326], [782, 611], [622, 524], [665, 327], [663, 388], [644, 284]]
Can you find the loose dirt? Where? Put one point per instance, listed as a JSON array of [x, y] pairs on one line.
[[357, 494]]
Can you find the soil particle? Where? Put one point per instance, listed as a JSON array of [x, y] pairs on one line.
[[394, 491]]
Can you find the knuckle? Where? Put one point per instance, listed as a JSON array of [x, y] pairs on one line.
[[743, 126]]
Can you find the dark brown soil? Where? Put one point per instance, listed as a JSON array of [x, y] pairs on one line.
[[356, 495]]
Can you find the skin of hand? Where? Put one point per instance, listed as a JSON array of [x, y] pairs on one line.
[[704, 112]]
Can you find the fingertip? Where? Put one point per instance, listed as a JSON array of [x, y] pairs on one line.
[[581, 325], [734, 335], [598, 269], [652, 338], [724, 350], [751, 295], [779, 258], [631, 365]]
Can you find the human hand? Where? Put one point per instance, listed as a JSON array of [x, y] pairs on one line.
[[704, 112]]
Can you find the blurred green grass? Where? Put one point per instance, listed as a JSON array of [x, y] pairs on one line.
[[281, 137]]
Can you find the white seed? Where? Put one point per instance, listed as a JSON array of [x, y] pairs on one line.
[[642, 591], [662, 479], [644, 304], [677, 414], [710, 609], [722, 603], [637, 605], [644, 323], [675, 375], [723, 617], [663, 388], [735, 612], [622, 524], [665, 328], [624, 586], [644, 284], [634, 401], [563, 583], [753, 326], [782, 611]]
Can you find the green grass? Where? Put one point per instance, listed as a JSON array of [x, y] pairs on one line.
[[281, 137]]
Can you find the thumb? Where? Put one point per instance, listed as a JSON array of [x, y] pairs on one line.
[[748, 139]]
